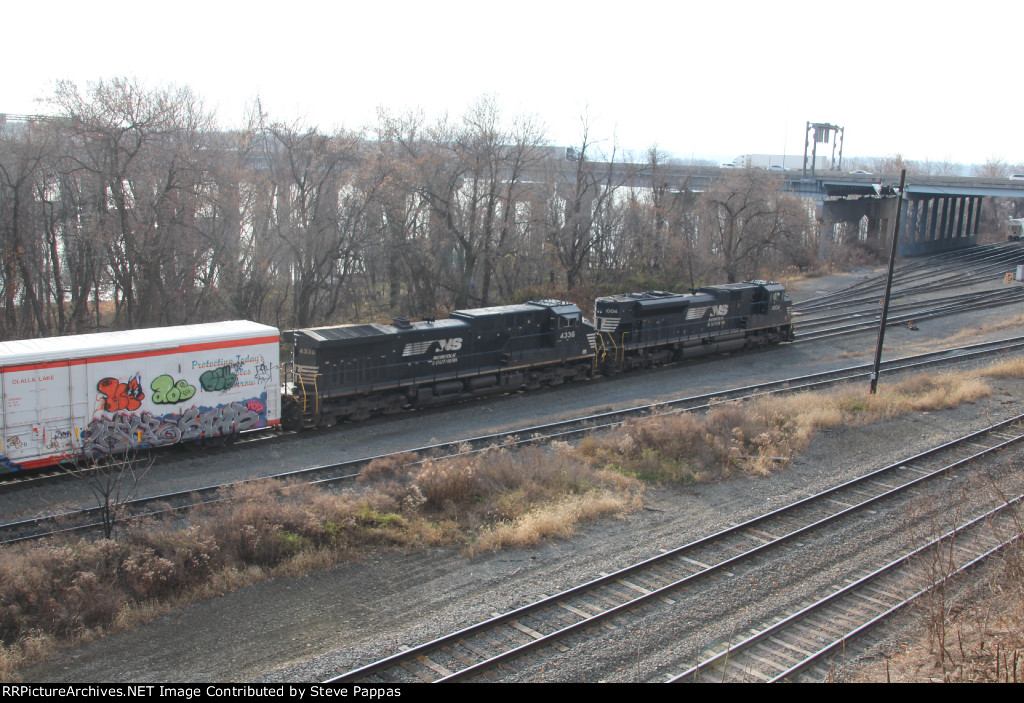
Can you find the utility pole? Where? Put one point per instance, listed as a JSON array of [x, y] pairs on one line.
[[888, 284]]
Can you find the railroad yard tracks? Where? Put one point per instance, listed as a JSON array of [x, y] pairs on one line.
[[901, 313], [537, 635], [921, 291], [717, 655], [802, 645], [87, 519], [939, 273]]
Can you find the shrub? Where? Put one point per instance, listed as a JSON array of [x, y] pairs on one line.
[[447, 483], [763, 433], [388, 467]]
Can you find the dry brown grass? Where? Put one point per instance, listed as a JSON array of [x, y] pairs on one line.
[[558, 519], [32, 647], [982, 638], [64, 591], [1011, 368], [389, 467], [758, 436], [1015, 322]]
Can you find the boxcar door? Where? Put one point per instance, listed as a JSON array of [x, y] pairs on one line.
[[21, 410], [38, 415]]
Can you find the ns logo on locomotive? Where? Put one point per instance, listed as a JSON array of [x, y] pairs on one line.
[[108, 393]]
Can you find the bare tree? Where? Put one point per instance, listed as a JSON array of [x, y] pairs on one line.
[[992, 168], [114, 482], [510, 199], [320, 205], [580, 197], [745, 221], [407, 262], [24, 159], [890, 165], [139, 155], [655, 245], [470, 176]]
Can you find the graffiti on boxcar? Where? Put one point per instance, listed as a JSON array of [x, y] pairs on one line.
[[221, 374], [123, 431], [261, 373], [167, 391], [219, 379], [58, 439], [120, 396]]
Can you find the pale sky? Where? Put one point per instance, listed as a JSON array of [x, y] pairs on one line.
[[931, 80]]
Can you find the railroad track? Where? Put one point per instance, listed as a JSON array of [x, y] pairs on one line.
[[90, 519], [937, 273], [803, 645], [541, 630], [867, 318]]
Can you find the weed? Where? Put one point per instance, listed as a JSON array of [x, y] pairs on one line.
[[760, 435]]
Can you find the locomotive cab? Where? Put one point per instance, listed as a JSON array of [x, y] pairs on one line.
[[536, 332], [773, 309], [563, 325]]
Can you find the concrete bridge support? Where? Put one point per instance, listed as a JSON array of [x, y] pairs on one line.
[[881, 212], [934, 223], [929, 223]]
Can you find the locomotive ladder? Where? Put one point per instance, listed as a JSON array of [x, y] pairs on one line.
[[309, 390]]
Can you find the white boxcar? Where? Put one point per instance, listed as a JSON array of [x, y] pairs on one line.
[[95, 394]]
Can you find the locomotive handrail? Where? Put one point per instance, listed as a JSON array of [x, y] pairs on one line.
[[600, 349], [302, 385], [305, 395], [680, 332]]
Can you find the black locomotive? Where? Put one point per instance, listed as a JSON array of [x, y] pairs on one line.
[[353, 371], [645, 329], [350, 372]]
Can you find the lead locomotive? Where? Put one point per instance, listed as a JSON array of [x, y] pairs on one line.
[[644, 329]]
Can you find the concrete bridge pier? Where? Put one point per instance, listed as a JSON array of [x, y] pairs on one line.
[[929, 223], [932, 223], [880, 214]]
